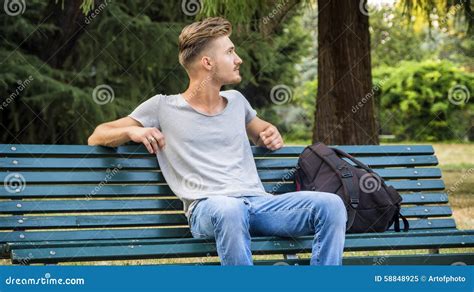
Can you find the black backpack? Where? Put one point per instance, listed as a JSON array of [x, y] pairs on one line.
[[371, 205]]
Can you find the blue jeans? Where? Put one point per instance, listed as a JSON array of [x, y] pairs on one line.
[[231, 221]]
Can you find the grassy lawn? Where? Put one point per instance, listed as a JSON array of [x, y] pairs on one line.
[[457, 164]]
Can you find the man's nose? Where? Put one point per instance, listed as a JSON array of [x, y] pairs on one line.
[[238, 60]]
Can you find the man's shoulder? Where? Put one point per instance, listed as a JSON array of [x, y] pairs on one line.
[[232, 93], [159, 98]]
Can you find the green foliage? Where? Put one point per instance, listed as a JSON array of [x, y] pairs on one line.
[[45, 108], [130, 46], [426, 101], [394, 38], [295, 117]]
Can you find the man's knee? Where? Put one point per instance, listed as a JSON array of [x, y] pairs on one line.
[[222, 208], [329, 206]]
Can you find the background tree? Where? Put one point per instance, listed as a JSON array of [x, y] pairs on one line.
[[125, 52], [344, 76], [345, 110], [55, 54]]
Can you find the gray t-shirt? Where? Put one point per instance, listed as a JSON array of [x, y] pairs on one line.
[[205, 155]]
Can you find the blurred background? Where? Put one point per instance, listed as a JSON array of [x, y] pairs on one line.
[[67, 66], [366, 72]]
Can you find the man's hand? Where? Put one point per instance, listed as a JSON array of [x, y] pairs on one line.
[[271, 138], [152, 138]]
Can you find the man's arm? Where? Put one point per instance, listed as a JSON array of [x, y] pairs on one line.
[[264, 134], [126, 129]]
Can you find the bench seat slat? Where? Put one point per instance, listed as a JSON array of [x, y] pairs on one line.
[[38, 149], [156, 177], [22, 206], [399, 185], [50, 191], [48, 206], [175, 232], [189, 239], [24, 222], [258, 245]]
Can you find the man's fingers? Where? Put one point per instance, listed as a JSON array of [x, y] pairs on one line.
[[268, 140], [159, 138], [275, 143], [278, 145], [156, 142], [153, 143], [269, 131], [160, 141], [148, 145]]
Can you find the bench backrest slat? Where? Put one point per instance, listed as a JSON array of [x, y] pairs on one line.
[[151, 163], [42, 150]]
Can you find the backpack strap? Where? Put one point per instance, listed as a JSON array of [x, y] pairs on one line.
[[396, 223], [348, 180], [358, 163], [390, 190], [353, 159]]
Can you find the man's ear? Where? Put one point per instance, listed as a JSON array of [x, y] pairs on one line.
[[207, 62]]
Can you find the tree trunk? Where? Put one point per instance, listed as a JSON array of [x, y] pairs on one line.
[[345, 104]]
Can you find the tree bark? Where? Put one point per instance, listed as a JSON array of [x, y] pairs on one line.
[[345, 104]]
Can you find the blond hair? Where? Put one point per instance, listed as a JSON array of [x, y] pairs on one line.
[[195, 37]]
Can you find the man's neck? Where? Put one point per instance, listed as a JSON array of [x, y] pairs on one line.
[[204, 94]]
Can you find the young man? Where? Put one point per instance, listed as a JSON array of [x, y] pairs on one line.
[[201, 140]]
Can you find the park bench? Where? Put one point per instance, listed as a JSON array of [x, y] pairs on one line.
[[72, 203]]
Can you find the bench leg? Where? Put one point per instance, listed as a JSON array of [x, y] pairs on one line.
[[287, 257]]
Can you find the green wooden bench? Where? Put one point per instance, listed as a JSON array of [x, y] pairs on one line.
[[69, 203]]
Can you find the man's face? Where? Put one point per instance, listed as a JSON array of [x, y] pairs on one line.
[[225, 61]]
